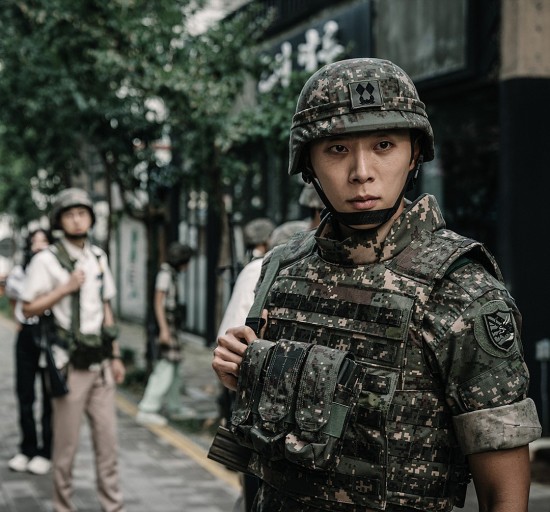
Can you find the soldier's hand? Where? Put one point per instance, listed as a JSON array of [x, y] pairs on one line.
[[119, 371], [228, 355], [76, 279]]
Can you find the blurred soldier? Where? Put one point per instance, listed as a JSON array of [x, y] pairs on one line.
[[165, 381], [256, 239], [390, 366], [72, 279], [309, 198]]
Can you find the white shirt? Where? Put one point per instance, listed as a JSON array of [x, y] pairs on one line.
[[45, 273], [14, 287], [165, 282], [242, 296]]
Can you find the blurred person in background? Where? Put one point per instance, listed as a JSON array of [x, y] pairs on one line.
[[256, 240], [72, 280], [33, 456], [164, 384]]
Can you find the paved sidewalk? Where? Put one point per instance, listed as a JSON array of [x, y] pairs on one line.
[[161, 469]]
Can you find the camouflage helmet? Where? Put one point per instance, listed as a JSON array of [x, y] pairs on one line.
[[179, 254], [357, 95], [69, 198], [283, 233], [258, 231], [310, 198]]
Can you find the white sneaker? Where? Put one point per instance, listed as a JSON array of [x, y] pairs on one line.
[[19, 463], [151, 418], [39, 465]]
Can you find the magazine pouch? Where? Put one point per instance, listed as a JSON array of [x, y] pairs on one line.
[[248, 389], [276, 406], [327, 394]]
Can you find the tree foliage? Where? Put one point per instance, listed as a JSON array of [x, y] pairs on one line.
[[82, 74], [101, 83]]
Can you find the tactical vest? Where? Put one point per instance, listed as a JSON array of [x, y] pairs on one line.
[[343, 412], [84, 349]]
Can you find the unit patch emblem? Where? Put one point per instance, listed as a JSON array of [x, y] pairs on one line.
[[494, 329], [365, 94]]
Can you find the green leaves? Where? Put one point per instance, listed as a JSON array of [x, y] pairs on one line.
[[96, 85]]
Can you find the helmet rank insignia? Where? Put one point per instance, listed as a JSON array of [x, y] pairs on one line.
[[365, 94]]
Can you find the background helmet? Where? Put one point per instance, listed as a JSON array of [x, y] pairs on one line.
[[357, 95], [69, 198], [258, 231], [179, 254], [310, 198], [283, 233]]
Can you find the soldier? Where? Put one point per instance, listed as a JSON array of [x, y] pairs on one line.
[[72, 280], [164, 383], [390, 369]]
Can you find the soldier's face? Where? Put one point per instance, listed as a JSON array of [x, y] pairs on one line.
[[365, 171], [76, 221]]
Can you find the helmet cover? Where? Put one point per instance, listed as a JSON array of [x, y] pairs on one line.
[[310, 198], [258, 231], [69, 198], [179, 254], [357, 95]]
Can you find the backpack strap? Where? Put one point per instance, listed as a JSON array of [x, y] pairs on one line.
[[65, 260], [300, 245], [68, 263]]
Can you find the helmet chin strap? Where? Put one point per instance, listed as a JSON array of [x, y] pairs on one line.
[[76, 237], [373, 217]]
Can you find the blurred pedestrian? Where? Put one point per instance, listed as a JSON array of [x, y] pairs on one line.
[[33, 456], [256, 240], [164, 383], [72, 280], [389, 369]]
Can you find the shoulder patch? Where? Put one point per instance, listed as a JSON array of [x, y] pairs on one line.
[[495, 329]]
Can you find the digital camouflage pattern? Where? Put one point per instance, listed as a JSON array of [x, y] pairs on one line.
[[414, 316], [357, 95]]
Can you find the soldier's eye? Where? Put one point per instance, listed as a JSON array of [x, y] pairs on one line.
[[338, 148], [384, 144]]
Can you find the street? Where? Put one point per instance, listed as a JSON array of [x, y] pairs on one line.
[[162, 469]]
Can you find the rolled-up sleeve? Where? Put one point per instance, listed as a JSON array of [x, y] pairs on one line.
[[498, 428], [474, 333]]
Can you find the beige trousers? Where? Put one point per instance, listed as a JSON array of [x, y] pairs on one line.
[[92, 393]]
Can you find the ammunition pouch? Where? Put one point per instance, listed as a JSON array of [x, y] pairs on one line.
[[294, 401], [84, 351], [227, 451]]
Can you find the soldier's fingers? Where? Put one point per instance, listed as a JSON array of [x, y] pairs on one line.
[[232, 343], [230, 354], [243, 333]]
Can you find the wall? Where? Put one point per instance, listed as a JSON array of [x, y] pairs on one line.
[[129, 264]]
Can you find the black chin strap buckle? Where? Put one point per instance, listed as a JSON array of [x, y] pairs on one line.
[[414, 173]]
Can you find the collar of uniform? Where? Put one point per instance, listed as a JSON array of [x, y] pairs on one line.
[[371, 246], [75, 252]]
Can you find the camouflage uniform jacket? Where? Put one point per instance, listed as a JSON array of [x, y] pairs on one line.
[[431, 370]]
